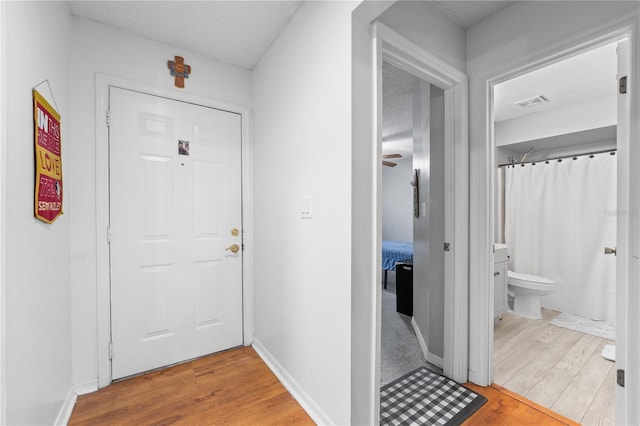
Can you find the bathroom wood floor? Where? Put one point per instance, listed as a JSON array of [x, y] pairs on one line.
[[555, 367]]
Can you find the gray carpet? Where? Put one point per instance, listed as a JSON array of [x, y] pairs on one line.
[[401, 351]]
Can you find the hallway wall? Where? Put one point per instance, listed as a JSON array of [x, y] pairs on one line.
[[302, 149], [37, 256]]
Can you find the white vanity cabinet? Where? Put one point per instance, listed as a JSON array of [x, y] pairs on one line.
[[500, 267]]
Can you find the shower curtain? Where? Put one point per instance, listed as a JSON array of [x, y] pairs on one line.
[[559, 217]]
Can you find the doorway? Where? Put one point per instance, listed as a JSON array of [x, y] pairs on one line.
[[104, 85], [175, 185], [561, 356], [413, 224], [399, 52]]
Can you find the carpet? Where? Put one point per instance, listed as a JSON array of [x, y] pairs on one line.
[[400, 350], [423, 397], [585, 325]]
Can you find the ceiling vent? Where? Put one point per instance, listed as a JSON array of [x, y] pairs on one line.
[[536, 100]]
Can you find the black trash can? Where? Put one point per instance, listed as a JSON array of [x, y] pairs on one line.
[[404, 288]]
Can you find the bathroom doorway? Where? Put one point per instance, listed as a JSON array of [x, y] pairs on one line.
[[556, 138]]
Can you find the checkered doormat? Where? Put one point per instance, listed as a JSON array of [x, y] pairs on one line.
[[423, 397]]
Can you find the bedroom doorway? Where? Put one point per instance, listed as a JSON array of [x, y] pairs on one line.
[[401, 349], [440, 302]]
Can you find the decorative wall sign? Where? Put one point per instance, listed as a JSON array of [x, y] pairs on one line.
[[48, 144], [179, 70]]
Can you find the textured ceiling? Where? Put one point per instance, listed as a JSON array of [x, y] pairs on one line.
[[235, 32], [398, 87]]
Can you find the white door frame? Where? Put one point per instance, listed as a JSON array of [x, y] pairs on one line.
[[3, 204], [103, 296], [406, 55], [481, 315]]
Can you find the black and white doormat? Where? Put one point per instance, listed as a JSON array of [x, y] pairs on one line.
[[423, 397]]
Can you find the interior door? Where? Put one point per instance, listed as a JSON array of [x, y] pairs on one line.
[[175, 240], [623, 230]]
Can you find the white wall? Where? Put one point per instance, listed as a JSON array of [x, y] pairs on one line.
[[98, 48], [397, 201], [37, 262], [590, 114], [3, 210], [302, 148], [509, 40], [430, 29]]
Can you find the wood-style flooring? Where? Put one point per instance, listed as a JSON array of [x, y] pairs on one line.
[[236, 388], [229, 388], [557, 368], [504, 408]]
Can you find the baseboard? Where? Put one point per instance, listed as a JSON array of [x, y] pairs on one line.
[[431, 358], [67, 408], [86, 387], [435, 360], [307, 403], [423, 344]]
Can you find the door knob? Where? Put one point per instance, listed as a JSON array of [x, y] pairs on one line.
[[609, 250], [233, 248]]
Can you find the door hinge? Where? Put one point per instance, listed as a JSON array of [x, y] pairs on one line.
[[108, 235], [110, 350], [620, 378], [447, 247], [108, 118], [622, 86]]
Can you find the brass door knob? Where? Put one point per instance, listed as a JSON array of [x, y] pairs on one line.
[[234, 248]]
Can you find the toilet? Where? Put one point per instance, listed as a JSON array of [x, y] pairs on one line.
[[527, 290]]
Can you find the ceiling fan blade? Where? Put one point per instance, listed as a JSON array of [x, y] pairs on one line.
[[389, 163], [392, 156]]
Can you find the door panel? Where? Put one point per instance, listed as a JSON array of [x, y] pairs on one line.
[[622, 275], [175, 195]]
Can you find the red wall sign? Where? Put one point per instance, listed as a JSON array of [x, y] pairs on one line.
[[48, 191]]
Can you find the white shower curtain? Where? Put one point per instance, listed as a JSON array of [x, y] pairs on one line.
[[559, 217]]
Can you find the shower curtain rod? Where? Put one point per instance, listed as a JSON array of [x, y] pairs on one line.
[[560, 158]]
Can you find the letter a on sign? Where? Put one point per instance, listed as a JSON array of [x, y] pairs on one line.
[[48, 190]]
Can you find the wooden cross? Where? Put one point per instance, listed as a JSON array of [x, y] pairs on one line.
[[179, 70]]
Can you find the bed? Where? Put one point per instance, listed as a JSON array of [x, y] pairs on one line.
[[392, 252]]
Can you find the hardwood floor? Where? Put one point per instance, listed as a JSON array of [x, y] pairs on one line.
[[555, 367], [228, 388], [504, 408], [236, 388]]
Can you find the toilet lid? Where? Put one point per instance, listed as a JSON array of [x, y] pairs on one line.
[[531, 278]]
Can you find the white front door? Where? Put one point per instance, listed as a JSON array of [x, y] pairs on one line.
[[175, 216]]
